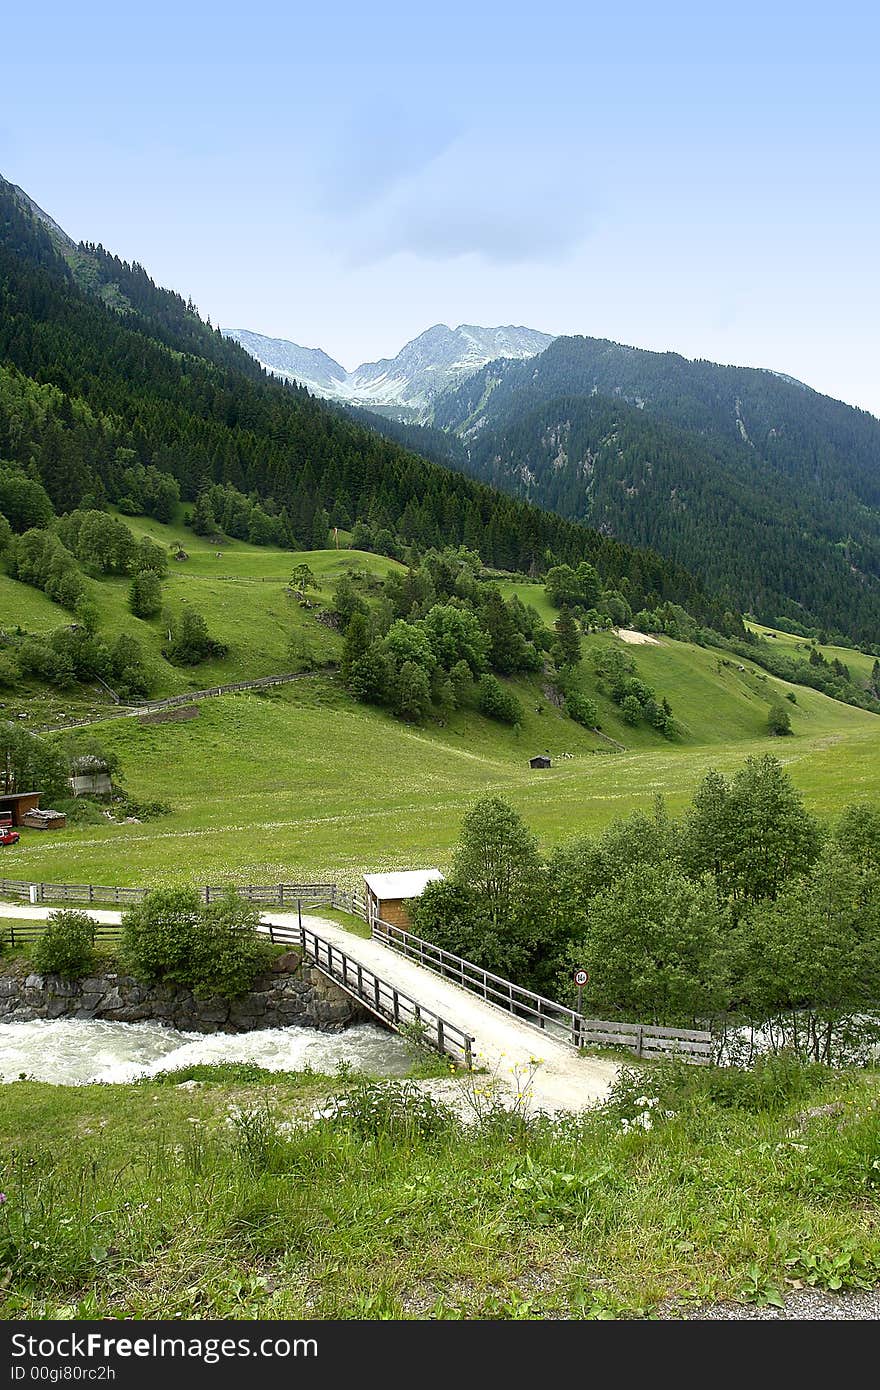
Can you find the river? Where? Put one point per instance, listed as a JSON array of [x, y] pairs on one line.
[[72, 1052]]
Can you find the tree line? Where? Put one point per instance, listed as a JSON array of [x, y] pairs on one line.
[[745, 911]]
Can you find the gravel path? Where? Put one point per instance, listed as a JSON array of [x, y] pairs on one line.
[[800, 1304]]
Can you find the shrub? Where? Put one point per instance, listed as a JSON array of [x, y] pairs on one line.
[[389, 1110], [190, 641], [496, 702], [145, 594], [158, 935], [171, 937], [67, 945], [229, 951], [779, 719], [582, 710]]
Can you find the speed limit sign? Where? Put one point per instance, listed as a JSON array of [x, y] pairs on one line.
[[581, 977]]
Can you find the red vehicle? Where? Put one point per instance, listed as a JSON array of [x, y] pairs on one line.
[[9, 837]]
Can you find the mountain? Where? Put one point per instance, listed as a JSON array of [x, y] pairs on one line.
[[308, 366], [58, 233], [768, 489], [133, 396], [403, 386]]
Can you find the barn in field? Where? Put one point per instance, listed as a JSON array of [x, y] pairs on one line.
[[386, 894], [540, 761]]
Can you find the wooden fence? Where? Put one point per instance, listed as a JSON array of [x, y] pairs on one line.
[[21, 933], [645, 1040], [172, 701], [382, 999], [271, 895]]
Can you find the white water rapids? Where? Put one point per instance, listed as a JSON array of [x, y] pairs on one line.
[[73, 1052]]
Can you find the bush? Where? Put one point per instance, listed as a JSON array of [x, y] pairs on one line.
[[229, 952], [771, 1085], [145, 594], [158, 935], [67, 945], [582, 710], [190, 641], [497, 703], [779, 719], [171, 937]]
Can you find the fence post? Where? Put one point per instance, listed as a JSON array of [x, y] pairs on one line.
[[207, 894], [641, 1034], [441, 1044], [395, 1005], [272, 933], [467, 1052], [299, 912], [91, 892], [281, 895]]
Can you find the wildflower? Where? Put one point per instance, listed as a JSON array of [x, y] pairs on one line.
[[2, 1198]]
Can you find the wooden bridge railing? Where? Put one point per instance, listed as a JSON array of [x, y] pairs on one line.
[[384, 1000], [646, 1040]]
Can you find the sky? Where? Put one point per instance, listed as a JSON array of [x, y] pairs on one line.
[[693, 177]]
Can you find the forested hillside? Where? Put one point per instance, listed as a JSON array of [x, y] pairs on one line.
[[766, 487], [103, 374]]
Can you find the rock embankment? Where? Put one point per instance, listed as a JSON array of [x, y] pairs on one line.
[[292, 992]]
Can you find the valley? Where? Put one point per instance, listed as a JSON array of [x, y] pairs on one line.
[[303, 782]]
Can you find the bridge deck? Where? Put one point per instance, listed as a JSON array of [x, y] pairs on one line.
[[564, 1080]]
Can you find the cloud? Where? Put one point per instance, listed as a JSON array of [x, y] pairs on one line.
[[377, 150], [503, 199]]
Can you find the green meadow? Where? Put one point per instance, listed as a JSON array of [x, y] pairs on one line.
[[302, 782], [859, 663]]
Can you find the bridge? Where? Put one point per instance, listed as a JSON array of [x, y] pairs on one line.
[[530, 1047]]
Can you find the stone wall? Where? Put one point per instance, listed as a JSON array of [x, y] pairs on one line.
[[292, 992]]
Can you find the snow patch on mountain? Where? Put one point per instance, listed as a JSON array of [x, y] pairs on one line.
[[433, 362]]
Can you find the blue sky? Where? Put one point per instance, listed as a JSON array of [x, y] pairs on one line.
[[701, 178]]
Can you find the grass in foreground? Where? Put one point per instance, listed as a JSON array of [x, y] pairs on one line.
[[219, 1202]]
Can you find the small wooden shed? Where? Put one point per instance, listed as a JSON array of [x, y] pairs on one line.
[[14, 806], [386, 894], [542, 760]]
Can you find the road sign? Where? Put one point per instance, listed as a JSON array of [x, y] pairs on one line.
[[581, 977]]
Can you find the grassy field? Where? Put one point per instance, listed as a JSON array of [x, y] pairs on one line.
[[859, 664], [240, 591], [214, 1202], [304, 782]]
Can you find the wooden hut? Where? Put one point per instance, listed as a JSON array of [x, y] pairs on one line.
[[386, 894], [541, 760], [14, 806]]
